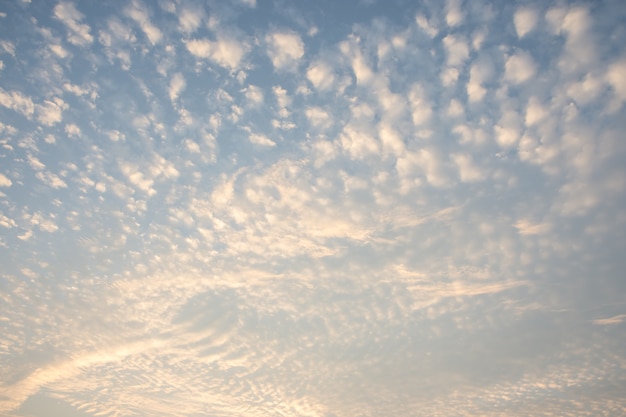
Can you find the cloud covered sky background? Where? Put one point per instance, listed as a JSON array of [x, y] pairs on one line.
[[312, 209]]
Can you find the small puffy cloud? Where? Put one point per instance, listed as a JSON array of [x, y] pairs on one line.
[[586, 90], [51, 111], [508, 129], [226, 52], [535, 112], [580, 49], [457, 50], [78, 33], [421, 108], [261, 139], [190, 18], [18, 102], [426, 26], [137, 178], [468, 171], [72, 130], [318, 117], [391, 140], [358, 144], [138, 12], [525, 20], [254, 95], [519, 68], [481, 71], [284, 49], [321, 75], [455, 109], [4, 181], [617, 80], [51, 179], [527, 227], [177, 85], [454, 15], [449, 76]]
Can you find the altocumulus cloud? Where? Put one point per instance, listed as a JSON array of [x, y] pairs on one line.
[[322, 210]]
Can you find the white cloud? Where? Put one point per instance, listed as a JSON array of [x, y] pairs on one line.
[[4, 181], [457, 50], [449, 77], [421, 108], [455, 109], [248, 3], [18, 102], [428, 28], [72, 130], [358, 144], [318, 117], [468, 171], [535, 112], [617, 80], [226, 52], [51, 179], [391, 140], [254, 95], [138, 12], [525, 20], [79, 33], [508, 129], [586, 90], [261, 139], [190, 18], [519, 68], [620, 318], [285, 49], [320, 75], [177, 85], [526, 227], [51, 111], [481, 71], [580, 49], [454, 15]]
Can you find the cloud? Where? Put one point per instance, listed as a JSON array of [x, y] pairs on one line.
[[226, 52], [190, 19], [177, 86], [454, 15], [480, 72], [468, 171], [4, 181], [285, 49], [254, 95], [525, 20], [79, 33], [138, 12], [320, 75], [614, 76], [519, 68], [620, 318], [260, 139], [318, 117], [18, 102], [535, 112], [51, 111], [426, 26], [457, 50]]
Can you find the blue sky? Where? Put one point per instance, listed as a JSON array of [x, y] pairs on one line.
[[312, 209]]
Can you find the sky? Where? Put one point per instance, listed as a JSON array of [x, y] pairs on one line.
[[273, 208]]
